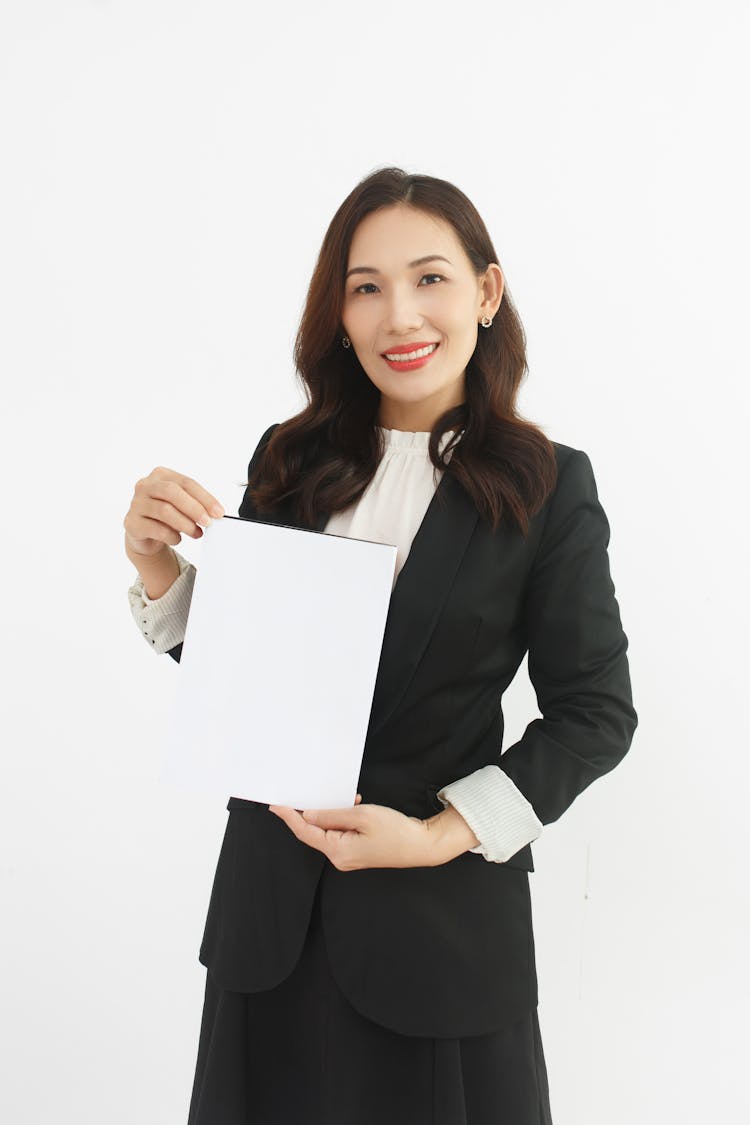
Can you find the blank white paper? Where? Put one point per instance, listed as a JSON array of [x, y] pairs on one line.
[[278, 665]]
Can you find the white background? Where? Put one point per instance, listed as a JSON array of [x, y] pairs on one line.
[[168, 172]]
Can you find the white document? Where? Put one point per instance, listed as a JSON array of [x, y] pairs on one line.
[[278, 665]]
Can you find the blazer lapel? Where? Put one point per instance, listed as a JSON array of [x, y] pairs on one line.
[[420, 591]]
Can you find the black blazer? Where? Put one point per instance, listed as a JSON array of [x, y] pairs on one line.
[[446, 951]]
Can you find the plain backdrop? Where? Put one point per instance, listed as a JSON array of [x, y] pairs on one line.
[[169, 168]]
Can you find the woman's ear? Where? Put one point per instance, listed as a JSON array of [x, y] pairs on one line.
[[492, 288]]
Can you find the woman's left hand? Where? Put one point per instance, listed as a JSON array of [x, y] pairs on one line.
[[364, 836]]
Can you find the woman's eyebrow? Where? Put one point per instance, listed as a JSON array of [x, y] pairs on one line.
[[416, 262]]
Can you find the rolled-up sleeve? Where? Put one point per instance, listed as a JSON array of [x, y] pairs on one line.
[[496, 811], [163, 621]]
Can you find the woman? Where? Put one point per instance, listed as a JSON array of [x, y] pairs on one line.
[[377, 963]]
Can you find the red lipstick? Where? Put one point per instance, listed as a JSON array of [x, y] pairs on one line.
[[408, 347], [411, 364]]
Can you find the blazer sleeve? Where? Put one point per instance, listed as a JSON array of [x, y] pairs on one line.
[[577, 653], [246, 509]]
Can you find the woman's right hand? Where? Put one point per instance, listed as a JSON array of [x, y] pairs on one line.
[[165, 505]]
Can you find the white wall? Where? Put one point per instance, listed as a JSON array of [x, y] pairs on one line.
[[168, 171]]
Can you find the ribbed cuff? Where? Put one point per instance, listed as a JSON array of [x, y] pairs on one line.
[[163, 621], [496, 811]]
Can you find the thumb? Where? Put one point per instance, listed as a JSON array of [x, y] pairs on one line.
[[333, 818]]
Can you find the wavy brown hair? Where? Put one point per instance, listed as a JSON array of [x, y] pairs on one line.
[[322, 459]]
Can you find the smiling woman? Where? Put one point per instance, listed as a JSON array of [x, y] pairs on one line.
[[429, 317], [388, 947], [407, 263]]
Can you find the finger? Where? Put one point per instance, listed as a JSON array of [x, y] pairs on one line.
[[184, 493], [307, 833], [143, 527], [357, 799], [167, 513], [285, 812], [169, 502], [334, 818], [211, 505]]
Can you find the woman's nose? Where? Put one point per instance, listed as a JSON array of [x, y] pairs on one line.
[[402, 313]]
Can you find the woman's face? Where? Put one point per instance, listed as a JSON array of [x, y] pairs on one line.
[[390, 302]]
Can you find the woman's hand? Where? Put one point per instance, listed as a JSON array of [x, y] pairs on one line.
[[164, 505], [364, 836]]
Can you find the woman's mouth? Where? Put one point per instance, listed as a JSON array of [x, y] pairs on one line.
[[409, 361]]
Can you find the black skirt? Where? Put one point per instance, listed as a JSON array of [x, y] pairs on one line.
[[300, 1054]]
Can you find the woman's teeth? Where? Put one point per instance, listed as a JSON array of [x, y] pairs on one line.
[[407, 357]]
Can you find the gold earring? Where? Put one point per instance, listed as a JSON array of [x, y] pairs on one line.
[[486, 321], [346, 342]]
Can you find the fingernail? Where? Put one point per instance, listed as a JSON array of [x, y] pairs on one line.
[[217, 510]]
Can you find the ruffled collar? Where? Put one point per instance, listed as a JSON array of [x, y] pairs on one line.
[[416, 440]]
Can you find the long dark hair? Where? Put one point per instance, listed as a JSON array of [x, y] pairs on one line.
[[322, 459]]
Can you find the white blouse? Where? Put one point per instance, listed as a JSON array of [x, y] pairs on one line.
[[390, 510]]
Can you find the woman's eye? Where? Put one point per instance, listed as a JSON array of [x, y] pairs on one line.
[[359, 288]]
